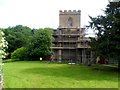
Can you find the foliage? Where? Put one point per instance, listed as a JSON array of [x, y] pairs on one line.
[[17, 37], [39, 45], [3, 45], [36, 42], [19, 54], [107, 28]]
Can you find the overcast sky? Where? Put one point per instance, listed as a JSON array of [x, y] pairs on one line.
[[45, 13]]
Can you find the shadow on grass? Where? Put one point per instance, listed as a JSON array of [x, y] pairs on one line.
[[105, 68], [75, 72]]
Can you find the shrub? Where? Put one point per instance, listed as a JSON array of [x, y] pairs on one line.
[[19, 53]]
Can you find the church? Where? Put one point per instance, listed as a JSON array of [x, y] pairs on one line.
[[70, 43]]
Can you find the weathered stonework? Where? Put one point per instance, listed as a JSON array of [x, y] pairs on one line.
[[65, 15]]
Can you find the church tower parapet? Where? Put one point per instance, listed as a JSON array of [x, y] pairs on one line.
[[70, 12]]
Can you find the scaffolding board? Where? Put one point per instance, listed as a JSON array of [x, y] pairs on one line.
[[72, 46]]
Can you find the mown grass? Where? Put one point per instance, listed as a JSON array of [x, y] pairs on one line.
[[36, 74]]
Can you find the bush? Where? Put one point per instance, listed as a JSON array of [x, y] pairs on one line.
[[19, 53]]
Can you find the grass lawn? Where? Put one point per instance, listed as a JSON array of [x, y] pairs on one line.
[[36, 74]]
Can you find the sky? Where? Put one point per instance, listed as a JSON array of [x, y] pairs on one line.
[[45, 13]]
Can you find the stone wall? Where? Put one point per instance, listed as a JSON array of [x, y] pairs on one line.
[[65, 15]]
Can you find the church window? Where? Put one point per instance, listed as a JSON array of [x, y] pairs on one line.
[[70, 22]]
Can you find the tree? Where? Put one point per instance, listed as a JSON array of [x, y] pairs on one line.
[[39, 45], [107, 27], [17, 37], [115, 0]]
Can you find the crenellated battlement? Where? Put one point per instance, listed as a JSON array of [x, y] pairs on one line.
[[70, 12]]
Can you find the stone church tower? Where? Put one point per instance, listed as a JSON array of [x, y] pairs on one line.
[[69, 19], [70, 43]]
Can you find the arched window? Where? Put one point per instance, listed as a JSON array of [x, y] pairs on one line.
[[70, 22]]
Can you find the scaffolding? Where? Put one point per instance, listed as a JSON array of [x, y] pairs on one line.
[[70, 45]]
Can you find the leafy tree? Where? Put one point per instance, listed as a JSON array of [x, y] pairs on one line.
[[17, 37], [40, 44], [107, 27]]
